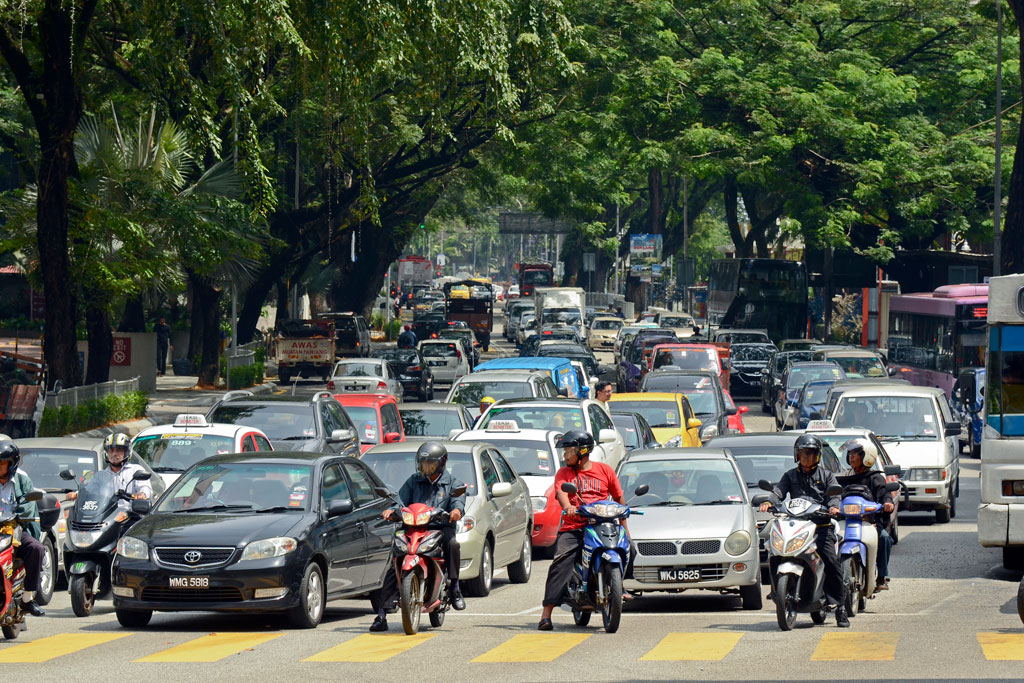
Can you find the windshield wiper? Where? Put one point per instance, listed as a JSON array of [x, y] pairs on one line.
[[276, 508], [662, 426], [162, 468], [295, 438], [666, 503], [208, 508], [719, 502]]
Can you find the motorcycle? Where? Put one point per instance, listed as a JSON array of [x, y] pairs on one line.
[[796, 569], [596, 581], [859, 547], [95, 525], [12, 618], [423, 584]]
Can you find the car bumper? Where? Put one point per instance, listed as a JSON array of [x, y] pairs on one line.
[[927, 495], [231, 588], [471, 545], [410, 384], [718, 570]]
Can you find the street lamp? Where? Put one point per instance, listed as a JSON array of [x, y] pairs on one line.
[[997, 232]]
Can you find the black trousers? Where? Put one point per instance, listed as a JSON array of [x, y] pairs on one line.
[[161, 357], [387, 596], [567, 546], [30, 552], [825, 537]]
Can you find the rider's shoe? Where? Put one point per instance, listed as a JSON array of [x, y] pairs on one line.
[[457, 600], [842, 621], [379, 624], [32, 608]]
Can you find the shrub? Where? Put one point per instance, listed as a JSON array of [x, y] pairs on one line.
[[93, 413]]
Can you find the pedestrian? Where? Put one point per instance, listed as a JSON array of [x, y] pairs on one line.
[[163, 344], [603, 392]]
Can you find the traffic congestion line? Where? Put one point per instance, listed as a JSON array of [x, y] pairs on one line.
[[45, 649], [211, 648], [370, 648], [856, 647]]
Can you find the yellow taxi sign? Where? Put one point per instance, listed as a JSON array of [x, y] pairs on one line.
[[820, 426]]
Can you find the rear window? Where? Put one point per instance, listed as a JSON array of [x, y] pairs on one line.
[[366, 422], [607, 324], [279, 421], [429, 422], [470, 393], [657, 413], [687, 359], [358, 370], [439, 350], [345, 324]]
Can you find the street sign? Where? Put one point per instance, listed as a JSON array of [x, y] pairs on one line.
[[122, 354], [442, 259], [589, 262]]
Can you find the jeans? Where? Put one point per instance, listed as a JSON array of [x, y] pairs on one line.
[[884, 551], [161, 358]]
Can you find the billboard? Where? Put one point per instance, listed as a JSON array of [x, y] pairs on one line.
[[645, 247]]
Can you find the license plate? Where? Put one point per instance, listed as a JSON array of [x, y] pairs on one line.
[[675, 575], [189, 581], [435, 363], [352, 387]]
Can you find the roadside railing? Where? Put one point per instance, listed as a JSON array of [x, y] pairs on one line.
[[90, 392]]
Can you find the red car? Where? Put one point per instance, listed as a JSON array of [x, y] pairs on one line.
[[546, 522], [735, 421], [375, 417]]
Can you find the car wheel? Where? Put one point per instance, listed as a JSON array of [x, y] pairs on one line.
[[481, 586], [975, 450], [310, 610], [131, 618], [952, 504], [942, 516], [519, 571], [751, 596], [47, 574]]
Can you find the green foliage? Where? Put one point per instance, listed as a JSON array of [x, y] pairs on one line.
[[93, 413]]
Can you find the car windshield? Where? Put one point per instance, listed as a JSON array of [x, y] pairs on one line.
[[751, 352], [862, 366], [687, 359], [896, 417], [560, 418], [606, 325], [180, 450], [663, 413], [366, 422], [757, 465], [358, 370], [430, 422], [439, 350], [395, 467], [279, 421], [815, 393], [401, 356], [528, 458], [675, 381], [626, 426], [469, 393], [798, 377], [44, 465], [683, 482], [239, 487], [676, 321]]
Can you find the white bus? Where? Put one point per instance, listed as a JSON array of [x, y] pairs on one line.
[[1001, 512]]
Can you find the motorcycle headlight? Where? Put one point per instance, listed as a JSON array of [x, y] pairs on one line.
[[401, 542], [269, 547], [738, 542], [430, 542], [776, 540], [84, 539], [5, 541], [607, 509], [797, 542], [539, 503], [675, 442], [132, 548], [408, 518], [851, 509], [423, 519]]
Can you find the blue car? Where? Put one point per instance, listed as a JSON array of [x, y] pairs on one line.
[[812, 401]]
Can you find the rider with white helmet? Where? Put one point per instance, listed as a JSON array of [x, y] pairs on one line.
[[116, 452], [861, 456]]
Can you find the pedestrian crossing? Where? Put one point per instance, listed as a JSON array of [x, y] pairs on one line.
[[831, 646]]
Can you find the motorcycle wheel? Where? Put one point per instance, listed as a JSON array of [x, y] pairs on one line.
[[582, 617], [785, 601], [47, 574], [13, 631], [436, 618], [611, 613], [82, 595], [412, 603], [854, 577]]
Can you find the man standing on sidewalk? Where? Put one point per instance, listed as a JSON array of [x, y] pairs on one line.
[[163, 343]]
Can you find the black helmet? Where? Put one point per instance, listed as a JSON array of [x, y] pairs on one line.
[[807, 442], [431, 458], [10, 452], [582, 441]]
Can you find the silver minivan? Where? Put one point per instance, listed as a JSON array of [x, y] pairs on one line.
[[445, 358]]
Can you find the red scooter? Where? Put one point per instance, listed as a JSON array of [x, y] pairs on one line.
[[423, 584], [11, 617]]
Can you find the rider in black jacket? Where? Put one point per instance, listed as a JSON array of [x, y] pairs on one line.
[[809, 480]]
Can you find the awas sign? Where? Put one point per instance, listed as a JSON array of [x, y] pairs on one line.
[[122, 351]]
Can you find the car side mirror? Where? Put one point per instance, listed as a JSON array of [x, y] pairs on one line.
[[67, 475], [501, 489], [731, 410], [141, 475], [743, 409], [953, 429], [693, 423], [892, 372], [568, 488], [341, 435], [834, 491], [607, 435], [392, 437], [764, 485], [141, 506], [893, 470], [563, 392], [892, 486], [340, 507], [760, 499]]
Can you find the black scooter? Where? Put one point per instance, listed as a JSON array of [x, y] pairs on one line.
[[95, 525]]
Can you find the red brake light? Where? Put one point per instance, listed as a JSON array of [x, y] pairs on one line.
[[330, 385], [382, 385], [433, 335], [413, 368]]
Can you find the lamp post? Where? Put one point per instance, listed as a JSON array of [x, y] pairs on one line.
[[997, 232]]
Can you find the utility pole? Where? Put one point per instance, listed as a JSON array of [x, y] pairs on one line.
[[997, 208]]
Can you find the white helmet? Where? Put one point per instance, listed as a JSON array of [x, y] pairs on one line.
[[117, 440], [861, 444]]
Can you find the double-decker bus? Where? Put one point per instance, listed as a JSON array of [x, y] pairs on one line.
[[933, 336], [762, 294]]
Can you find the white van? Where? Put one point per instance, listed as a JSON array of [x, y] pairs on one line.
[[917, 427], [445, 359]]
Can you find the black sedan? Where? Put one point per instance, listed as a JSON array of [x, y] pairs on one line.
[[703, 391], [254, 532], [771, 383], [412, 370], [746, 363]]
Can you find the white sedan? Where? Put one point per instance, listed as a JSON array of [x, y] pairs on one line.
[[364, 376]]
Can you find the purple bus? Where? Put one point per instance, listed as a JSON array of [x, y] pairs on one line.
[[935, 335]]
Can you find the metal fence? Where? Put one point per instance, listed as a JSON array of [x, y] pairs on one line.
[[76, 395], [243, 355]]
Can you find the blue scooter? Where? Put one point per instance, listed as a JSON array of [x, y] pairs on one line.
[[858, 550], [596, 581]]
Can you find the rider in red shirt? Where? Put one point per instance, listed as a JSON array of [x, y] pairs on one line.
[[594, 481]]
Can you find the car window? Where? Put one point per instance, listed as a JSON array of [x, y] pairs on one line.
[[361, 484], [261, 443], [600, 420], [334, 485], [248, 444], [392, 423], [505, 472], [277, 420], [944, 409], [330, 421], [490, 474]]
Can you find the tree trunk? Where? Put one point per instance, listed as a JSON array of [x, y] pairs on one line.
[[134, 317], [732, 217], [356, 288], [195, 332], [206, 297], [101, 344]]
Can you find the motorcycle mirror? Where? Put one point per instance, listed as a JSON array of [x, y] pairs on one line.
[[764, 485], [459, 491], [142, 475], [891, 470], [32, 496], [835, 491], [568, 488], [641, 489], [892, 486], [67, 475], [760, 498]]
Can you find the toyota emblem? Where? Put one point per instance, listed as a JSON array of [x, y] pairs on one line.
[[193, 556]]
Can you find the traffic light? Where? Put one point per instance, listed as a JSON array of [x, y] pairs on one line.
[[423, 226]]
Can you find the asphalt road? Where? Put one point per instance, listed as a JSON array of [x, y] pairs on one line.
[[950, 614]]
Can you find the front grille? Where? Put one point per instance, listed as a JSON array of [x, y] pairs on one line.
[[86, 526], [700, 547], [167, 594], [209, 557], [653, 548], [709, 572]]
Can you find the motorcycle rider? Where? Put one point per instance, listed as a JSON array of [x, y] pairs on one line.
[[809, 480], [594, 481], [485, 404], [14, 484], [115, 449], [431, 485], [407, 340], [861, 454]]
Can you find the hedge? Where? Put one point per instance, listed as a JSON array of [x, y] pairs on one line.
[[245, 375], [93, 413]]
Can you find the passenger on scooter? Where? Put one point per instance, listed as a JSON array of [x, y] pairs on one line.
[[30, 551], [115, 448], [431, 485], [594, 481], [860, 456], [809, 480]]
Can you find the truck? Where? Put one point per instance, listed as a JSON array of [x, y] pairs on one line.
[[22, 392], [532, 275], [304, 348], [414, 271], [477, 312], [561, 304]]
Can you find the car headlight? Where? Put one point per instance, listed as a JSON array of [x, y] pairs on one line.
[[401, 542], [927, 474], [607, 509], [539, 503], [708, 431], [738, 542], [797, 542], [465, 524], [132, 548], [430, 543], [269, 547], [84, 539], [675, 442]]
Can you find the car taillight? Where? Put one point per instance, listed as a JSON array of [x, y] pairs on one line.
[[357, 343], [330, 385], [382, 385], [413, 368], [458, 354], [433, 335]]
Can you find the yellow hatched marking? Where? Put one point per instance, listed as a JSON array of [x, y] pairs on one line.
[[1007, 647], [856, 647], [680, 647], [533, 647], [211, 647], [370, 648], [45, 649]]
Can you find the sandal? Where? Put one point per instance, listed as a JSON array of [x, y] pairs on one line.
[[545, 625]]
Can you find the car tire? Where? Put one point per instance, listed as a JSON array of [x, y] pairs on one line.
[[751, 596], [942, 515], [312, 597], [519, 571], [284, 376], [47, 573], [952, 504], [480, 586], [1013, 558], [133, 618], [975, 450]]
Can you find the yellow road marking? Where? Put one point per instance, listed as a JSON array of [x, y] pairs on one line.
[[677, 647], [856, 647], [210, 648], [533, 647], [370, 648], [45, 649], [1002, 646]]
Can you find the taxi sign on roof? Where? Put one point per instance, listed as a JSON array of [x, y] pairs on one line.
[[190, 420], [503, 426], [820, 426]]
